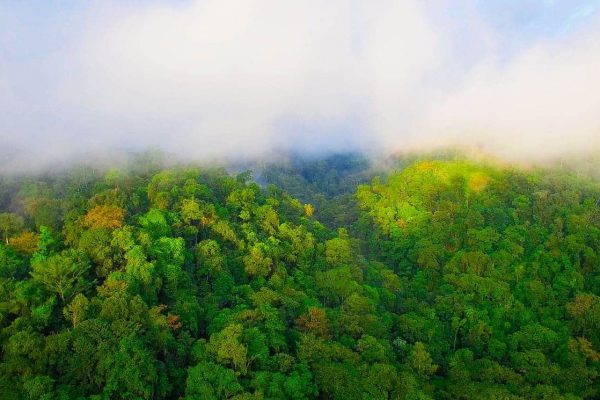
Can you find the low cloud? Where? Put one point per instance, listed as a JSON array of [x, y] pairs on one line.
[[227, 78], [543, 103]]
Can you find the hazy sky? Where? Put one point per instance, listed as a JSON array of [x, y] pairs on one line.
[[206, 78]]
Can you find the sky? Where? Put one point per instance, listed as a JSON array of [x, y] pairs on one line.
[[242, 78]]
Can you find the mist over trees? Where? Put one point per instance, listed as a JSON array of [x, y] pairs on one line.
[[328, 200]]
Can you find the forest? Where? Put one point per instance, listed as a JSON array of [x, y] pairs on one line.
[[323, 278]]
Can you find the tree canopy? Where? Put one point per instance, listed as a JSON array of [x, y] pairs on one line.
[[439, 280]]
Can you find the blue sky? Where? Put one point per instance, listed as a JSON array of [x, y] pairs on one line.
[[220, 77], [533, 19]]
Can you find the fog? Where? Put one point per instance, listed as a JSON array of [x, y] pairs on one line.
[[216, 79]]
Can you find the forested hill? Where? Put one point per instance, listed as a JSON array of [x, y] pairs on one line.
[[443, 280], [328, 183]]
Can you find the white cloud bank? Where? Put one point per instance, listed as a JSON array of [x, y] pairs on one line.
[[545, 102], [213, 78]]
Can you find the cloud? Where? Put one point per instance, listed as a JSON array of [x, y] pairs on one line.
[[227, 78], [543, 103]]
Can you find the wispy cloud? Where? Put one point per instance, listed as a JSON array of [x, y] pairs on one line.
[[226, 78]]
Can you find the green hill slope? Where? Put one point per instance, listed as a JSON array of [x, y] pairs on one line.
[[457, 280]]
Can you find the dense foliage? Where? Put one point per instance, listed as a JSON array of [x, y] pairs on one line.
[[328, 183], [449, 280]]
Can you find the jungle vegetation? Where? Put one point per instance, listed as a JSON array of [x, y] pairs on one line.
[[321, 279]]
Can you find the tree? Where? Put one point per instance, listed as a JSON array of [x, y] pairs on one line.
[[10, 224], [26, 242], [257, 263], [104, 216], [420, 361], [200, 214], [337, 251], [309, 210], [315, 321], [336, 284], [63, 274], [227, 348], [210, 259], [210, 381]]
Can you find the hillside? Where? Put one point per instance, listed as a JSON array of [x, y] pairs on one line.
[[444, 279]]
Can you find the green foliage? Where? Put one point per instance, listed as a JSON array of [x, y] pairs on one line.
[[500, 267], [9, 224], [446, 279], [61, 274]]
